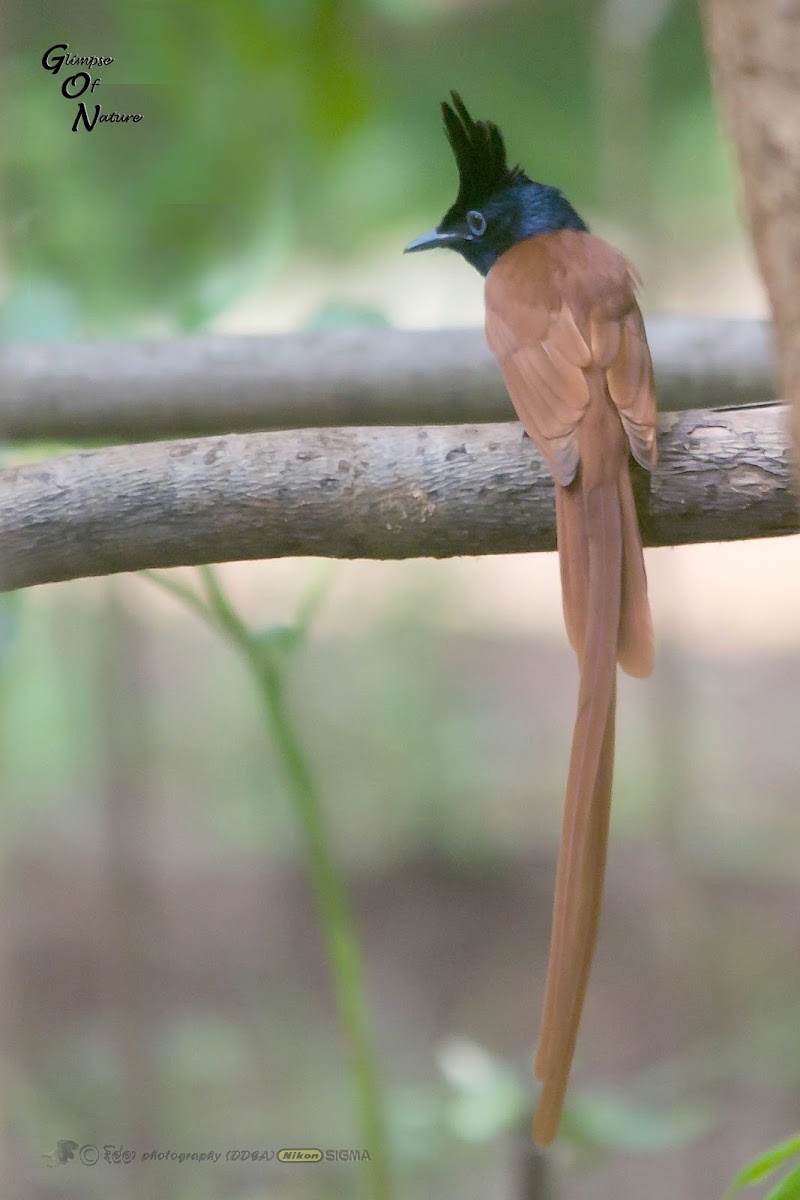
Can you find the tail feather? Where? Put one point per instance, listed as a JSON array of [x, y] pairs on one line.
[[636, 643], [593, 519], [554, 1083], [573, 558]]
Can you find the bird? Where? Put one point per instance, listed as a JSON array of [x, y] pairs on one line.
[[563, 321]]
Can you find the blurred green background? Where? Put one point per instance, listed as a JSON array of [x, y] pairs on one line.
[[273, 132], [164, 980]]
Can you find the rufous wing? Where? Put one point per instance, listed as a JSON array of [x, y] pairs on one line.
[[558, 306], [543, 359]]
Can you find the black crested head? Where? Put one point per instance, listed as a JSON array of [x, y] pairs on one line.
[[480, 154], [497, 205]]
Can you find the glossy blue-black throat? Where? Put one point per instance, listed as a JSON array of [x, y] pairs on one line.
[[497, 205]]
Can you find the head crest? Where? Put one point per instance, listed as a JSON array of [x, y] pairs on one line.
[[480, 156]]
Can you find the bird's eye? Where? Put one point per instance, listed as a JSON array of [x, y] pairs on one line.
[[477, 222]]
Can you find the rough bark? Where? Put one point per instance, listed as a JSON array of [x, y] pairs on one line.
[[194, 386], [369, 493], [755, 51]]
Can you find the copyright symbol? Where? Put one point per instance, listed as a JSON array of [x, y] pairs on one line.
[[89, 1155]]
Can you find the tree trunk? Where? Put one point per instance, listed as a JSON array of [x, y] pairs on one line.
[[754, 46]]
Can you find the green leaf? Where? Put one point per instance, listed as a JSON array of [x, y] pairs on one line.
[[601, 1118], [283, 638], [286, 639], [788, 1188], [487, 1095], [764, 1165], [481, 1115]]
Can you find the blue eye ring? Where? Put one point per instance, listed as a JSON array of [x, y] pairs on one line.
[[476, 222]]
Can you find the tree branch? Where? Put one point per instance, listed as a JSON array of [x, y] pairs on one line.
[[136, 391], [369, 493]]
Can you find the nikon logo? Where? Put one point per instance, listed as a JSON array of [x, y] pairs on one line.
[[305, 1155]]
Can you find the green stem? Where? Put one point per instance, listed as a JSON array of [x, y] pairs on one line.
[[337, 921], [338, 927]]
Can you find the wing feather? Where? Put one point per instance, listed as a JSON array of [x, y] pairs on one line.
[[631, 386], [557, 307], [543, 357]]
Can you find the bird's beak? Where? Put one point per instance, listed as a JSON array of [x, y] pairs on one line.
[[430, 240]]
